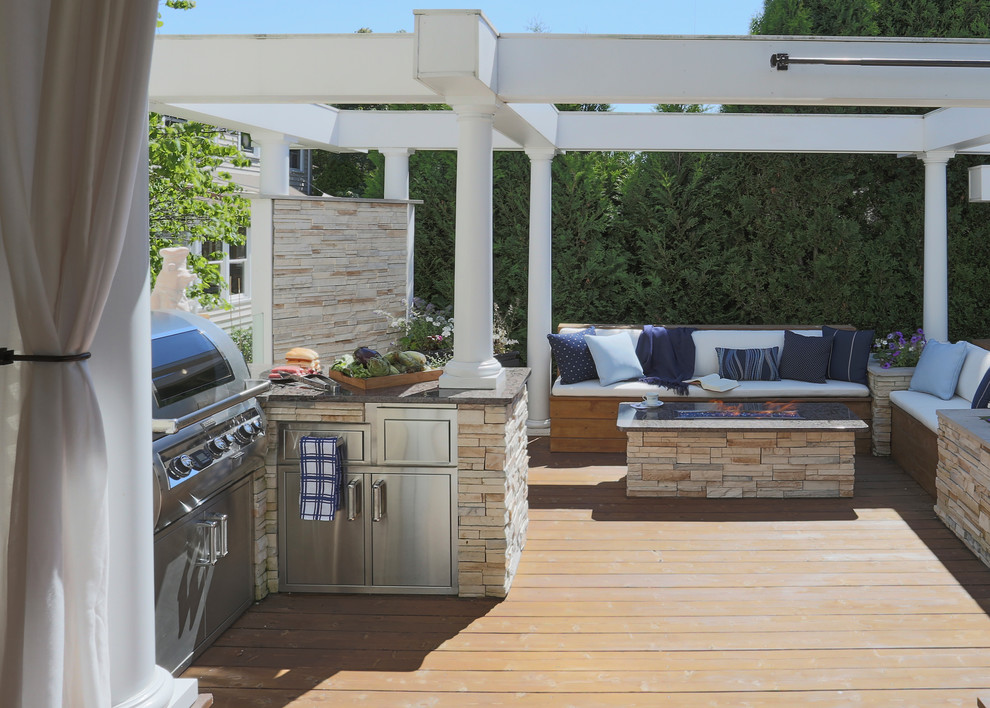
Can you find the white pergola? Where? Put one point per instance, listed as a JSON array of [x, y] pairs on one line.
[[501, 88]]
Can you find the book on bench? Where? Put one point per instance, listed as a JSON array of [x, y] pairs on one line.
[[714, 382]]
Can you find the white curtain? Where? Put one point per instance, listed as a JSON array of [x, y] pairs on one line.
[[73, 89]]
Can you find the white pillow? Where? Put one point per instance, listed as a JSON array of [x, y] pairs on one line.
[[615, 358]]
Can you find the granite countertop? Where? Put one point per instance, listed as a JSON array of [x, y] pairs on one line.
[[424, 392], [813, 416]]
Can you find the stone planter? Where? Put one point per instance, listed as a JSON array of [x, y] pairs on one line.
[[510, 359], [882, 382]]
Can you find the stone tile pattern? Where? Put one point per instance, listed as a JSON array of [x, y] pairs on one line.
[[492, 496], [962, 483], [882, 382], [266, 509], [336, 263], [740, 463]]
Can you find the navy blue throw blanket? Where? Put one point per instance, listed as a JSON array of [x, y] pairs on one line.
[[667, 356]]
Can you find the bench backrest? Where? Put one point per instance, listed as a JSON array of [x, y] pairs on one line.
[[709, 337]]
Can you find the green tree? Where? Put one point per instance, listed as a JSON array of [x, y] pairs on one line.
[[192, 198]]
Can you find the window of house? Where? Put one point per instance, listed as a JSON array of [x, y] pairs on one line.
[[232, 261], [295, 159]]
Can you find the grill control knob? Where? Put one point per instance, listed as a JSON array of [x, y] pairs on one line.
[[229, 439], [217, 446], [244, 433], [180, 467]]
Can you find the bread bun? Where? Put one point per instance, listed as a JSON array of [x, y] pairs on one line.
[[301, 356]]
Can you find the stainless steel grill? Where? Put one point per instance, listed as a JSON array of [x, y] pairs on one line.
[[209, 438]]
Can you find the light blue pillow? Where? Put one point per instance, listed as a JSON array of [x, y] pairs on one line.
[[938, 369], [615, 358]]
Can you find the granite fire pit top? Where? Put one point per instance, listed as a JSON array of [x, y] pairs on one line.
[[704, 416], [423, 392]]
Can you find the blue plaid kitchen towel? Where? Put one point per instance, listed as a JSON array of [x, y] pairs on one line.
[[320, 478]]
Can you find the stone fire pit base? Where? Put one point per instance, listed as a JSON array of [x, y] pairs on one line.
[[811, 454], [737, 463]]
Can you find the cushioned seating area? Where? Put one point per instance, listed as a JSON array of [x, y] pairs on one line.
[[633, 390], [583, 413], [914, 418]]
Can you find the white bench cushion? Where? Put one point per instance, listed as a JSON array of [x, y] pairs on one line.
[[923, 406], [786, 388]]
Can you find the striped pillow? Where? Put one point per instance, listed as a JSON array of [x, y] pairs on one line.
[[850, 354], [981, 399], [748, 364]]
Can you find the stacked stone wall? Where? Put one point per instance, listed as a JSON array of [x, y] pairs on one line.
[[335, 264], [882, 383], [492, 496]]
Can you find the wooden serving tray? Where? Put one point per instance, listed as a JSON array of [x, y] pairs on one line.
[[385, 381]]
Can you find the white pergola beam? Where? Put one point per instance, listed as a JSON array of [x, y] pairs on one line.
[[538, 126], [958, 129], [740, 132], [734, 70], [341, 68], [309, 125], [419, 130]]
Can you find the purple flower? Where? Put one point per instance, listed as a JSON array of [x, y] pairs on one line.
[[885, 365]]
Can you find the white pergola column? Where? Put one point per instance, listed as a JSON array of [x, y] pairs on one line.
[[121, 370], [274, 163], [473, 365], [540, 303], [936, 303], [397, 187]]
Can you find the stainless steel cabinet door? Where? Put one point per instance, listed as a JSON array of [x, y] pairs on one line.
[[410, 529], [323, 553], [204, 576]]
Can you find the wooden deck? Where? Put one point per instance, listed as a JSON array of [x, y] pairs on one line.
[[621, 602]]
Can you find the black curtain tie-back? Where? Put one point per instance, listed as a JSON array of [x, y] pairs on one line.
[[7, 356]]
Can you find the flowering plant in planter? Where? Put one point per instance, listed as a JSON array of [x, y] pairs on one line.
[[897, 350], [428, 328]]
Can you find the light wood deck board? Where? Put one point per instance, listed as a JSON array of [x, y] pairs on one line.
[[867, 601]]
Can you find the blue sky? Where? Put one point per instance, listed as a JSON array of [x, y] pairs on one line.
[[558, 16]]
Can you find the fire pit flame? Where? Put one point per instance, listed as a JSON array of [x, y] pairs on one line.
[[721, 409]]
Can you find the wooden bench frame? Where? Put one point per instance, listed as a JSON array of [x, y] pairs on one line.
[[587, 423], [914, 447]]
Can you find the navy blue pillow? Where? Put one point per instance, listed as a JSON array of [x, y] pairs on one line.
[[850, 354], [805, 358], [573, 357], [748, 364], [981, 399]]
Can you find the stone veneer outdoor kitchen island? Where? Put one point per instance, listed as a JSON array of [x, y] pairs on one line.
[[491, 471], [693, 450]]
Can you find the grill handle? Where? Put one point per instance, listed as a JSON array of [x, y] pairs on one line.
[[174, 425], [212, 555]]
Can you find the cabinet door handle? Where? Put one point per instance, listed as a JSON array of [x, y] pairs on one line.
[[378, 500], [353, 510], [212, 553], [222, 548]]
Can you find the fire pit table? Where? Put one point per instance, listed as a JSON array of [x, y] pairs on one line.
[[712, 449]]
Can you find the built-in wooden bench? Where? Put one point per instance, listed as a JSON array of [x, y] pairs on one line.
[[587, 423], [914, 422]]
